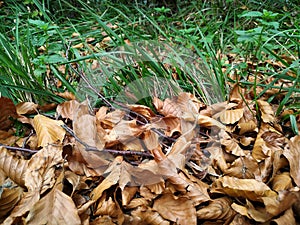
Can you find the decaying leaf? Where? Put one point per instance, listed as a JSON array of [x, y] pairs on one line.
[[13, 167], [292, 153], [7, 113], [177, 209], [26, 108], [9, 197], [40, 173], [231, 116], [68, 109], [48, 131], [246, 188], [218, 209], [55, 208], [267, 113]]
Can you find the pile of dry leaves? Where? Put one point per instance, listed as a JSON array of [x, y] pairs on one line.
[[188, 163]]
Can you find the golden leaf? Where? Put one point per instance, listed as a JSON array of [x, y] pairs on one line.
[[246, 188], [54, 208], [282, 182], [48, 131], [26, 108], [177, 209], [12, 166], [231, 116]]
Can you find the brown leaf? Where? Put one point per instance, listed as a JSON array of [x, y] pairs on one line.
[[68, 109], [13, 167], [218, 209], [196, 192], [110, 208], [287, 218], [282, 182], [147, 216], [231, 116], [26, 108], [246, 188], [184, 104], [292, 153], [258, 214], [177, 209], [7, 112], [267, 113], [9, 197], [84, 126], [244, 167], [40, 175], [48, 131], [8, 137], [24, 205], [54, 208]]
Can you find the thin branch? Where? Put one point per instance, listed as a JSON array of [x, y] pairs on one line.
[[18, 148], [113, 151]]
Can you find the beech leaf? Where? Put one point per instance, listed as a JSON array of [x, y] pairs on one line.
[[48, 131]]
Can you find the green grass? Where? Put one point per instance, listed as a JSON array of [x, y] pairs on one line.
[[191, 43]]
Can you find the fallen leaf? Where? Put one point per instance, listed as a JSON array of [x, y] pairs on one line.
[[246, 188], [48, 131], [218, 209], [176, 209], [292, 153], [13, 167], [9, 197], [7, 113], [231, 116], [26, 108], [54, 208]]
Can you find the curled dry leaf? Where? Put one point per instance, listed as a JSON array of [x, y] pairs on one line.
[[148, 216], [40, 173], [257, 214], [9, 197], [246, 188], [184, 104], [177, 209], [55, 208], [231, 116], [48, 131], [13, 167], [218, 209], [282, 182], [25, 204], [26, 108], [292, 153], [111, 209], [245, 168], [85, 128], [287, 218], [267, 113], [196, 192], [68, 109], [7, 112]]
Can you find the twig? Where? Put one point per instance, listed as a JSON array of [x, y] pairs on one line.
[[18, 148], [113, 151]]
